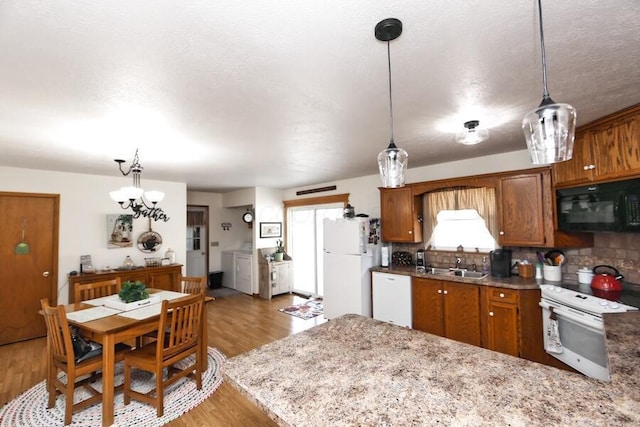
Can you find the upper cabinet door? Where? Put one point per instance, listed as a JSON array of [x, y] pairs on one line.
[[616, 148], [400, 215], [604, 150], [580, 168], [521, 213]]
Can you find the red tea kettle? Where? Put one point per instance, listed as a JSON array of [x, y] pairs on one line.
[[606, 281]]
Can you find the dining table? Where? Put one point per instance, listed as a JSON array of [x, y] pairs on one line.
[[109, 327]]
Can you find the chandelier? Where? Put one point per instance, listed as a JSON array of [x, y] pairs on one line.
[[132, 197], [392, 161], [550, 128]]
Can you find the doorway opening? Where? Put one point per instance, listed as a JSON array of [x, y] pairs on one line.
[[305, 243]]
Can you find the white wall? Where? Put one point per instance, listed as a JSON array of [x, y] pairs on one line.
[[84, 204], [268, 209]]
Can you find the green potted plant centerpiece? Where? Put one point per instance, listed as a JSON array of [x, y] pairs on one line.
[[279, 254], [132, 295], [133, 291]]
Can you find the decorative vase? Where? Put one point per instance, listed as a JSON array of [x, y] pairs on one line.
[[278, 256]]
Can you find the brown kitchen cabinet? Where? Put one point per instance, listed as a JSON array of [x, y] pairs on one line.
[[607, 149], [526, 213], [500, 320], [166, 277], [400, 215], [521, 211], [448, 309]]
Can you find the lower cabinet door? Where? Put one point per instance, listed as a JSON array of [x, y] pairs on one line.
[[462, 312], [427, 305], [502, 325]]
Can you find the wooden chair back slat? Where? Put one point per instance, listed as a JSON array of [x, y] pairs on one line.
[[193, 285], [181, 320], [58, 332], [87, 291]]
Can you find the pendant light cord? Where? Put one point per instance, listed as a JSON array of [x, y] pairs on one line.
[[390, 97], [545, 93]]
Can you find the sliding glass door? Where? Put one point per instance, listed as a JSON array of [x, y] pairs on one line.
[[305, 226]]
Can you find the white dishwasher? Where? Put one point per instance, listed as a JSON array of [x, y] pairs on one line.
[[392, 298]]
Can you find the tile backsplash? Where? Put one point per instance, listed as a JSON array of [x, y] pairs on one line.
[[619, 250]]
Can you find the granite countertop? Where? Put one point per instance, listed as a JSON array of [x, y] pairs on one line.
[[357, 371], [513, 282]]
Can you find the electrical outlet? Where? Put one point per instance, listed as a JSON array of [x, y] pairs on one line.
[[214, 244], [516, 261]]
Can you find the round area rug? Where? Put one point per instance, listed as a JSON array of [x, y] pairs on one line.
[[30, 408]]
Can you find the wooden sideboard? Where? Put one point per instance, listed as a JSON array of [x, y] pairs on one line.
[[166, 277]]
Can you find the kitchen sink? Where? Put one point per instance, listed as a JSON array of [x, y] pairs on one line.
[[456, 272], [470, 274], [436, 270]]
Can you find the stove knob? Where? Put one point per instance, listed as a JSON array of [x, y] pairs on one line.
[[603, 303], [614, 305]]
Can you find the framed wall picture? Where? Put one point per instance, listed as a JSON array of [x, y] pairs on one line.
[[270, 229], [119, 230]]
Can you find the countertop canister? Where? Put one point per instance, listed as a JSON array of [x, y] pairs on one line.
[[585, 275], [171, 255]]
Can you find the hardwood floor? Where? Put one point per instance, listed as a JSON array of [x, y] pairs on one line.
[[237, 324]]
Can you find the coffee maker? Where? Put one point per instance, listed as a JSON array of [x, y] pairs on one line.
[[420, 264], [500, 262]]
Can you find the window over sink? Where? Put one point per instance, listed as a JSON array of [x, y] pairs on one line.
[[461, 219]]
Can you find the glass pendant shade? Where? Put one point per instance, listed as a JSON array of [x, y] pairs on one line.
[[154, 196], [550, 131], [472, 135], [392, 162]]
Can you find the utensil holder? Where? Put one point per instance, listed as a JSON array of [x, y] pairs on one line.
[[552, 273], [525, 270]]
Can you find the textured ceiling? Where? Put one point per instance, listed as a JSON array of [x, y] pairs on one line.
[[231, 94]]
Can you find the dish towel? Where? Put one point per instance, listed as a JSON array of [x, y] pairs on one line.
[[554, 345]]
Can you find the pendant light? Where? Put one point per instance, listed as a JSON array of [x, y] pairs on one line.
[[550, 128], [472, 134], [392, 161]]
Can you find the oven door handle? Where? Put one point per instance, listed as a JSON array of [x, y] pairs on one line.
[[563, 311]]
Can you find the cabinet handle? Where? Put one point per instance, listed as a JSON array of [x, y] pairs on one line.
[[586, 167], [491, 313], [502, 233], [439, 291], [410, 232], [592, 166], [501, 295], [445, 292]]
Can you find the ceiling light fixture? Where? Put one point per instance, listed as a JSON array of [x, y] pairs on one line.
[[392, 161], [472, 135], [131, 197], [550, 128]]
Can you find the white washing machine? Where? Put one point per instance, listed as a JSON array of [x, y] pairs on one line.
[[237, 267]]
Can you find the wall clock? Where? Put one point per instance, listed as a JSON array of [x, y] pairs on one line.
[[247, 217]]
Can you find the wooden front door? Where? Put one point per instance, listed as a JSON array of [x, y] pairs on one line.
[[29, 262]]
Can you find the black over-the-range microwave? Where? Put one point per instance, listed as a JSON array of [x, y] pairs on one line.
[[611, 206]]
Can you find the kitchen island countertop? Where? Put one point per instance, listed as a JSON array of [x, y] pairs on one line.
[[359, 371]]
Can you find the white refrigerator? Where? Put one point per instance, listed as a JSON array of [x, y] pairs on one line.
[[351, 247]]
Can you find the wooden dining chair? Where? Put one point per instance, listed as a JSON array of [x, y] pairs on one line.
[[104, 288], [61, 358], [193, 285], [182, 319]]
